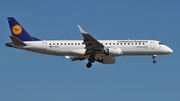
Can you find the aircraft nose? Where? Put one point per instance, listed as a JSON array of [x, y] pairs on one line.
[[170, 50]]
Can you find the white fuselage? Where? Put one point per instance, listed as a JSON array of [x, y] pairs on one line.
[[77, 48], [102, 51]]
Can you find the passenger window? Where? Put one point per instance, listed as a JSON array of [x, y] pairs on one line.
[[53, 43], [64, 43], [68, 43], [78, 43], [57, 43], [49, 43], [71, 43]]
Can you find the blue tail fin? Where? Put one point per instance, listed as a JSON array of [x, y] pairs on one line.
[[18, 31]]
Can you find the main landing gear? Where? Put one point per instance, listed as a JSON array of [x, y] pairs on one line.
[[91, 60], [89, 64], [154, 56]]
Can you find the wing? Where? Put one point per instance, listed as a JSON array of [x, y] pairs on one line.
[[92, 45]]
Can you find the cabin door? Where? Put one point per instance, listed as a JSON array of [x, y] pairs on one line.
[[152, 45], [44, 45]]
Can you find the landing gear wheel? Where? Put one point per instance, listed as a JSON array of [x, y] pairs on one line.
[[89, 64], [154, 61]]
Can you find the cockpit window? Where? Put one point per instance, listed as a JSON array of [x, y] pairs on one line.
[[160, 43]]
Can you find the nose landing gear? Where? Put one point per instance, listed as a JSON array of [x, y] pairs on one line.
[[154, 56]]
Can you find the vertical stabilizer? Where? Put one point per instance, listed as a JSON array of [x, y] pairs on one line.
[[18, 31]]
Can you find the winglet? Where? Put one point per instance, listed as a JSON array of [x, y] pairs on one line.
[[16, 41], [81, 30]]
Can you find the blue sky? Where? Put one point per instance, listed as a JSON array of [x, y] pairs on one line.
[[27, 76]]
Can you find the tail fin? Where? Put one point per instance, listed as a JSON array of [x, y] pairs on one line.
[[18, 31]]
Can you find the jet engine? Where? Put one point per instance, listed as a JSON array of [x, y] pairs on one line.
[[107, 60], [113, 52]]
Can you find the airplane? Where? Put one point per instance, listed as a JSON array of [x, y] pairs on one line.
[[102, 51]]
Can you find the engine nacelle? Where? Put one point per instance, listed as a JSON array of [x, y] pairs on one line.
[[113, 52], [107, 60]]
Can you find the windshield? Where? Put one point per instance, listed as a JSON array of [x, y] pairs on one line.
[[160, 43]]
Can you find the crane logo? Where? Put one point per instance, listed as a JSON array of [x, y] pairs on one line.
[[16, 29]]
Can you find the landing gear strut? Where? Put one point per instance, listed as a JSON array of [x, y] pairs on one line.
[[92, 59], [154, 56]]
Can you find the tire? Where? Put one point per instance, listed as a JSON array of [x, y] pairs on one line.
[[154, 61], [88, 65]]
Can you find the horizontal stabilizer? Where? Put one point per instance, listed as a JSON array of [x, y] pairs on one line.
[[16, 41]]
